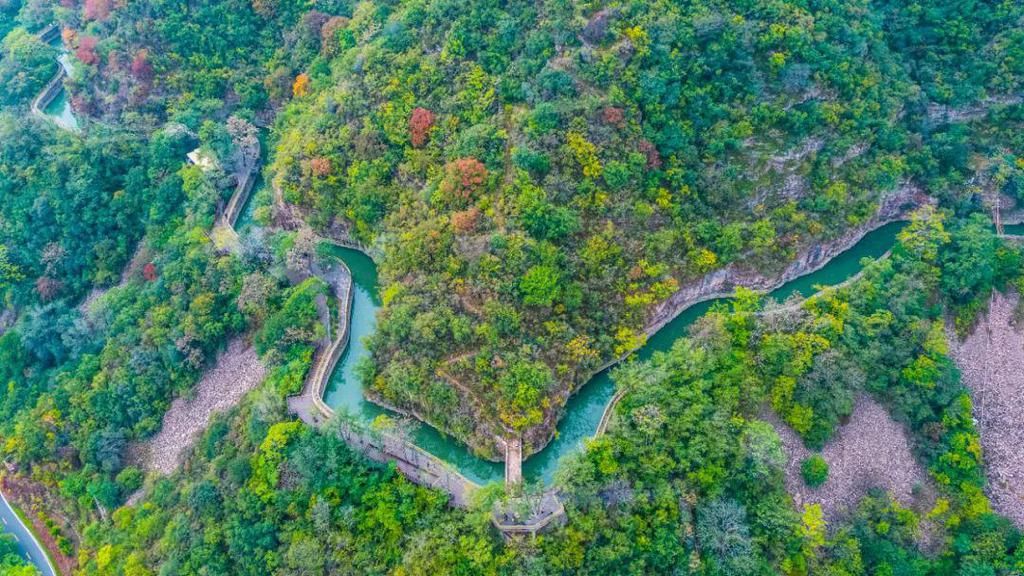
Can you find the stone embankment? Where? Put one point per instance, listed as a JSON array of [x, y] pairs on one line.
[[49, 93], [991, 362], [942, 114], [56, 84], [723, 282], [309, 405], [415, 463], [240, 196]]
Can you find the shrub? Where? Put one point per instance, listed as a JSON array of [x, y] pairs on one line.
[[463, 179], [814, 471]]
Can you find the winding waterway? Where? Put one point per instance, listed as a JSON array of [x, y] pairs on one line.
[[584, 410], [59, 109]]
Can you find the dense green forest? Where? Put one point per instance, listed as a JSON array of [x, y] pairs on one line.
[[688, 480], [539, 176], [533, 179]]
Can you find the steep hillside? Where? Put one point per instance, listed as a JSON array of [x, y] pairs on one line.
[[538, 176]]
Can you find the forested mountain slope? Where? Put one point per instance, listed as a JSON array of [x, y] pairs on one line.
[[534, 178], [687, 481], [539, 175]]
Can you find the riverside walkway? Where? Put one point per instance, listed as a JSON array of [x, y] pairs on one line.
[[515, 516], [415, 463]]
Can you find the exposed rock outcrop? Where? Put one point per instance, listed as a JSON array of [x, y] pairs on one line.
[[941, 114]]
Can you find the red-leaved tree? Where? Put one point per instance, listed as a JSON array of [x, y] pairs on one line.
[[141, 68], [48, 288], [420, 123], [463, 178], [86, 52], [613, 116], [651, 152]]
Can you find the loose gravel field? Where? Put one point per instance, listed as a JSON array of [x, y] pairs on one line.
[[237, 371], [991, 362], [871, 450]]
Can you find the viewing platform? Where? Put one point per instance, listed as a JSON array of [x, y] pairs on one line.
[[528, 515]]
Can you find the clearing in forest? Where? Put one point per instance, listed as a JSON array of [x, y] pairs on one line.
[[237, 371], [991, 361], [870, 451]]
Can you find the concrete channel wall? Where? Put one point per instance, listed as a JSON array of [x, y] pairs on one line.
[[415, 463], [240, 196], [56, 84]]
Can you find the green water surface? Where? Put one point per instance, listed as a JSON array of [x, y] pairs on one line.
[[583, 411], [246, 218], [59, 109]]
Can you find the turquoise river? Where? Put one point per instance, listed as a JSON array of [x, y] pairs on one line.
[[583, 411]]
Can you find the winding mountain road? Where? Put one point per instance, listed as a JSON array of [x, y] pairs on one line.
[[27, 543]]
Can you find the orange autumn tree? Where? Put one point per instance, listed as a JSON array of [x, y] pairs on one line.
[[321, 166], [465, 221], [301, 85], [463, 179]]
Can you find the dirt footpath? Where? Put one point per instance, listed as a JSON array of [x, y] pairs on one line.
[[238, 370], [991, 361], [871, 450]]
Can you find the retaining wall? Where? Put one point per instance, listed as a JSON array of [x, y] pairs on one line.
[[240, 196], [415, 463]]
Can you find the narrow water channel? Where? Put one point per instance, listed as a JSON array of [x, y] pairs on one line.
[[59, 109], [1014, 229], [584, 409], [246, 217], [344, 392]]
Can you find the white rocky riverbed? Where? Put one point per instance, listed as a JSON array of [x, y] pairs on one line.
[[870, 451]]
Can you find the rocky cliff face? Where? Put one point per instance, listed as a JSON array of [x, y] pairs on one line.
[[724, 282]]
